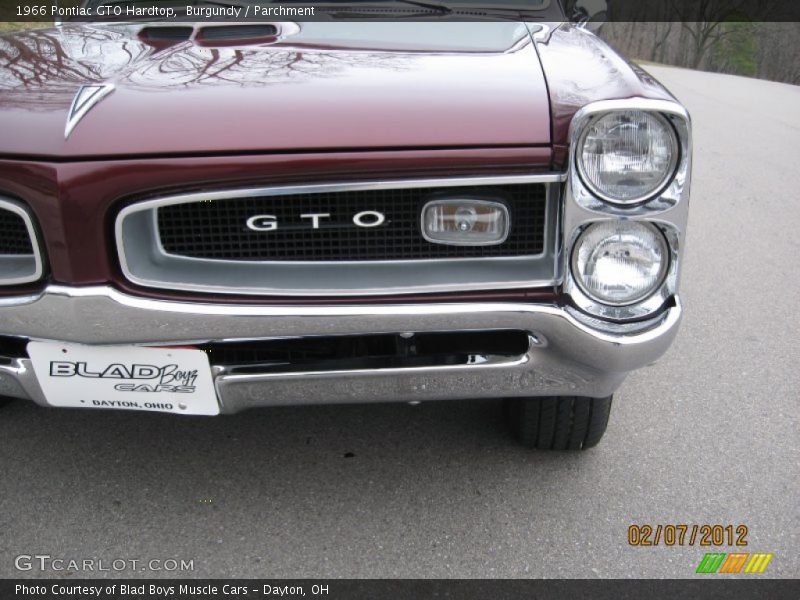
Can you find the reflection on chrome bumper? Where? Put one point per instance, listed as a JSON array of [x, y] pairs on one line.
[[565, 357]]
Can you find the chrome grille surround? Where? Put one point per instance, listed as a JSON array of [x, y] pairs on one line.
[[19, 262], [144, 260]]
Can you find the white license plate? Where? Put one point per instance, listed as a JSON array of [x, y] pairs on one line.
[[174, 380]]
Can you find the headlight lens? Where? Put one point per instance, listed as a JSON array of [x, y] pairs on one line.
[[627, 156], [620, 262]]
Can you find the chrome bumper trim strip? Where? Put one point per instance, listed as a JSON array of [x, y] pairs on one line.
[[565, 357]]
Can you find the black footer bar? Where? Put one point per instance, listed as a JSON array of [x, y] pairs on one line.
[[400, 589]]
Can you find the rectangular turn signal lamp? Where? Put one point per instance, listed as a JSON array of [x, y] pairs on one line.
[[465, 222]]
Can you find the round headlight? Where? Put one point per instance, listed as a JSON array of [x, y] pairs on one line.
[[620, 262], [627, 157]]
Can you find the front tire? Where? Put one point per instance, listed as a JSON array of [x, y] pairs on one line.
[[558, 422], [5, 400]]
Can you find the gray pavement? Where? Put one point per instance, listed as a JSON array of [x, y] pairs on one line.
[[708, 435]]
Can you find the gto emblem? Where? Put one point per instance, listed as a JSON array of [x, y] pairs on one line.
[[366, 218]]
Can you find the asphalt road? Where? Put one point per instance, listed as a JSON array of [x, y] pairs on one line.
[[708, 435]]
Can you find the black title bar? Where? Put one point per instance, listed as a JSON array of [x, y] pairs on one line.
[[298, 10]]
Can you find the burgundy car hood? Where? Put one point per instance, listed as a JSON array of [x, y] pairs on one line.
[[316, 86]]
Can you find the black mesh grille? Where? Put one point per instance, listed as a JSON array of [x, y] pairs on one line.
[[218, 230], [14, 238]]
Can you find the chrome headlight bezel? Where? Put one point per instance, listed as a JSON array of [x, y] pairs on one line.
[[667, 210], [667, 176], [21, 269], [645, 308]]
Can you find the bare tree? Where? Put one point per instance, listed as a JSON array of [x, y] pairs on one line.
[[703, 21]]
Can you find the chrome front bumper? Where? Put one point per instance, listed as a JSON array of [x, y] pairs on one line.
[[565, 357]]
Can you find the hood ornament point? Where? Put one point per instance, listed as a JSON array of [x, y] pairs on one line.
[[86, 98]]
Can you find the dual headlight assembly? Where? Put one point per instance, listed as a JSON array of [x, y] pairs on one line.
[[630, 166]]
